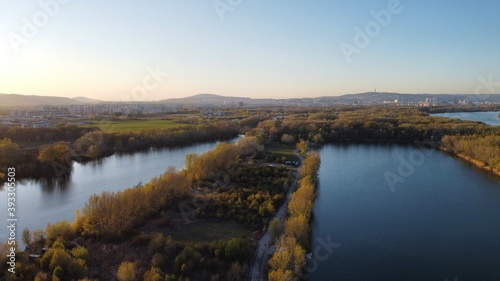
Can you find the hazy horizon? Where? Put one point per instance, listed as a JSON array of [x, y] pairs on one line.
[[126, 50]]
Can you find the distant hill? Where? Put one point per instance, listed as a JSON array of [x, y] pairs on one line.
[[31, 100], [211, 99], [380, 97], [214, 100], [86, 100]]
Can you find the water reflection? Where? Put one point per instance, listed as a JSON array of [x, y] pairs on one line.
[[61, 183], [441, 221], [51, 200]]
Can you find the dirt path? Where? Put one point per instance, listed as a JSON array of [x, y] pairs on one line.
[[260, 259]]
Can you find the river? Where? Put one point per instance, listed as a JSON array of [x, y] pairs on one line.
[[434, 219], [490, 118], [41, 201]]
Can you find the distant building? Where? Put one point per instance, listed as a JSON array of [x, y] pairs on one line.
[[430, 102], [41, 124]]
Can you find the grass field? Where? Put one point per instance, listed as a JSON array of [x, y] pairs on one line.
[[208, 231], [284, 151], [133, 125]]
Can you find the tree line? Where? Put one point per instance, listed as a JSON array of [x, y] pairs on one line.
[[368, 124], [289, 257], [485, 149], [383, 124], [55, 159]]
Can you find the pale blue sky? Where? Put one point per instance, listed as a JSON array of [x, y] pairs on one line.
[[279, 49]]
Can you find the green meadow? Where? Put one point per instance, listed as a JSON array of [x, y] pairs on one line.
[[134, 125]]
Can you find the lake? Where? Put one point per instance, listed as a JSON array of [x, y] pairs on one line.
[[490, 118], [42, 201], [435, 219]]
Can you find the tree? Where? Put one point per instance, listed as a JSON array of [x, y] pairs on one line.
[[275, 228], [77, 268], [60, 230], [301, 202], [298, 227], [236, 249], [59, 153], [249, 147], [286, 138], [7, 150], [310, 166], [288, 259], [80, 253], [237, 272], [214, 163], [190, 159], [26, 237], [126, 271], [302, 147], [7, 146], [60, 258], [280, 275], [154, 274], [58, 274], [318, 138]]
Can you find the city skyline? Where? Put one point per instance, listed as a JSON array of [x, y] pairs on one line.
[[131, 51]]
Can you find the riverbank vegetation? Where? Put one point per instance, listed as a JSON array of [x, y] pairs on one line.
[[289, 257], [71, 143], [483, 151], [379, 125], [135, 233]]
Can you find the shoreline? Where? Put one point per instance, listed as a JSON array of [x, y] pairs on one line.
[[477, 163], [260, 259]]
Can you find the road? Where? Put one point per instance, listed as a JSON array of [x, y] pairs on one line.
[[260, 259]]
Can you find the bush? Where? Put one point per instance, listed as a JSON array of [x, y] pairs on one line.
[[126, 271]]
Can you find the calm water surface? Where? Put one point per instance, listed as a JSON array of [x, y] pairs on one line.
[[490, 118], [40, 202], [441, 222]]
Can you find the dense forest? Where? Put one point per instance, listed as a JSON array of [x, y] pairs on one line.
[[382, 125], [372, 124]]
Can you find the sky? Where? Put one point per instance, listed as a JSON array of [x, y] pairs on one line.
[[159, 49]]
